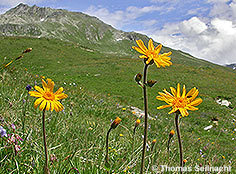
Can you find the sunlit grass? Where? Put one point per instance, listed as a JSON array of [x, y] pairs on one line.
[[76, 136]]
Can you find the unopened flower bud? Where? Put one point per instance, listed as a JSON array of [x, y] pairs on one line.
[[137, 122], [27, 50], [172, 132], [154, 141], [115, 123], [138, 77], [151, 83]]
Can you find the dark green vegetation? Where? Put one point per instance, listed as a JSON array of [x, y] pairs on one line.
[[102, 81]]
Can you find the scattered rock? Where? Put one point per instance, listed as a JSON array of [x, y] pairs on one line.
[[208, 127], [223, 102]]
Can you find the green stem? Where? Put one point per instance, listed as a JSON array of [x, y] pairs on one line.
[[145, 118], [46, 170], [107, 158], [133, 143], [179, 139]]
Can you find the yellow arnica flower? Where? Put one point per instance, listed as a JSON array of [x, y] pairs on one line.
[[46, 98], [152, 53], [180, 102]]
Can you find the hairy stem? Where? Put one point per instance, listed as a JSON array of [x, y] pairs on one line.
[[145, 118], [107, 158], [179, 139], [46, 170]]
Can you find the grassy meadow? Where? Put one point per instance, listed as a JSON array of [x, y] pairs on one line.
[[100, 88]]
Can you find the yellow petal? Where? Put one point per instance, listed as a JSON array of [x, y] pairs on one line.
[[173, 91], [194, 95], [58, 105], [50, 85], [191, 108], [59, 91], [163, 107], [178, 90], [48, 105], [52, 106], [141, 45], [184, 92], [157, 64], [143, 56], [173, 110], [35, 94], [196, 102], [37, 102], [166, 54], [183, 112], [45, 86], [158, 49], [39, 89], [139, 50], [55, 107], [42, 106], [149, 60], [150, 45], [191, 92], [160, 98], [60, 96]]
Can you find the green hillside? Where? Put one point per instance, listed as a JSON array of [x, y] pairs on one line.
[[99, 85]]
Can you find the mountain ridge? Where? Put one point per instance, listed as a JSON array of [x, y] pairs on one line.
[[78, 27]]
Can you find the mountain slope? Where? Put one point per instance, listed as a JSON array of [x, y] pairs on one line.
[[34, 21]]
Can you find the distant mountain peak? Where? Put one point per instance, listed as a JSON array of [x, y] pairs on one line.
[[34, 21]]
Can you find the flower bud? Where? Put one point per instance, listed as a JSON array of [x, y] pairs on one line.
[[137, 122], [138, 77], [172, 132], [115, 123], [27, 50], [154, 141], [151, 83]]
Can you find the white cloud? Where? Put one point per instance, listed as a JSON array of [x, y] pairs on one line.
[[192, 27], [121, 18], [212, 38], [214, 41]]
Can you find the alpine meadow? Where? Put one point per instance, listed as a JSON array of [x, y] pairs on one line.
[[79, 96]]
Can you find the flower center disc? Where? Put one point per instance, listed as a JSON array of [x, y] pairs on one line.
[[49, 96], [180, 102]]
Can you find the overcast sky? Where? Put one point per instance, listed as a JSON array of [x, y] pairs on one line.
[[204, 28]]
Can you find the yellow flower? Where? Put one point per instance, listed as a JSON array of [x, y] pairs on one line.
[[184, 161], [121, 135], [154, 141], [180, 102], [153, 54], [46, 98]]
